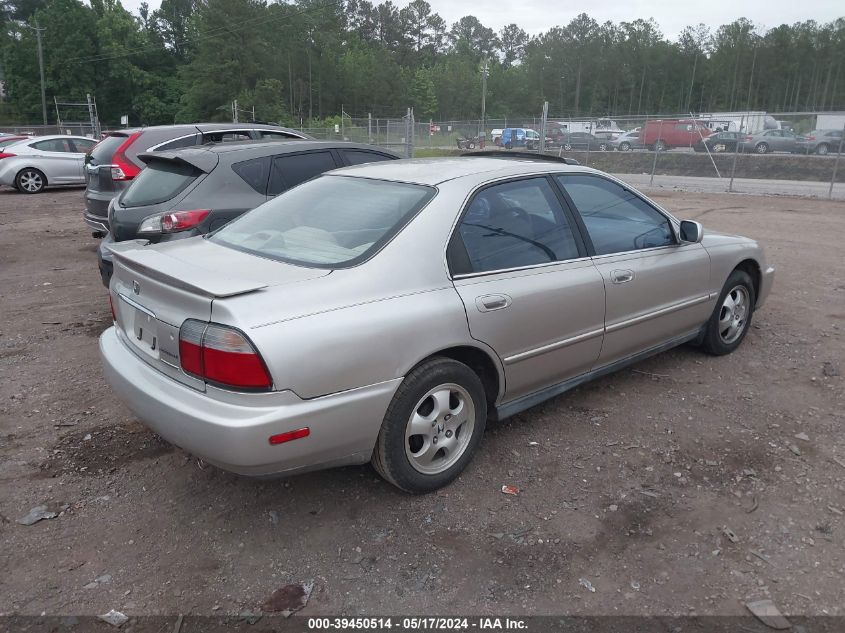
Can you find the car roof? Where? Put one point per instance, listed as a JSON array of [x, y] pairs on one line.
[[207, 127], [433, 171], [49, 137], [245, 150]]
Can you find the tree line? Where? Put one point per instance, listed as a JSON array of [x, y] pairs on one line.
[[302, 61]]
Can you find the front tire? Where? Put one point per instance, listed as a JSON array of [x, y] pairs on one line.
[[432, 427], [731, 318], [30, 180], [625, 147]]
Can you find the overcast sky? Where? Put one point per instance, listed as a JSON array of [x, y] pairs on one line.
[[539, 15]]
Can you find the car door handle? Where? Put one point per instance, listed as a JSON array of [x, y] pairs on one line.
[[621, 276], [488, 303]]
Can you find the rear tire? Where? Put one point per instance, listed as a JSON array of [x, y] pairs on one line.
[[822, 149], [603, 147], [660, 146], [444, 400], [30, 180], [761, 148], [731, 317], [567, 147]]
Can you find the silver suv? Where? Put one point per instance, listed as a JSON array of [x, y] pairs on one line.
[[113, 163]]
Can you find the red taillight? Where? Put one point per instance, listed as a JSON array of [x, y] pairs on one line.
[[748, 138], [222, 355], [6, 155], [809, 138], [281, 438], [182, 220], [122, 168], [190, 346]]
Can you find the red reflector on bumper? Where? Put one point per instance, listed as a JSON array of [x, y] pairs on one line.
[[281, 438]]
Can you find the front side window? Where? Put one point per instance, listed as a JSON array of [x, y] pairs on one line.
[[83, 145], [515, 224], [328, 222], [617, 220]]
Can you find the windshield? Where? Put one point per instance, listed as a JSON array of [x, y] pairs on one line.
[[328, 222]]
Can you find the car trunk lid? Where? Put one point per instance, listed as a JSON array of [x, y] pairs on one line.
[[154, 289]]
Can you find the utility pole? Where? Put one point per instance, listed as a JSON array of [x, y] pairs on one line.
[[485, 70], [38, 30]]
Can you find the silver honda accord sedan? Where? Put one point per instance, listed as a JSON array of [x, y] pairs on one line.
[[385, 312]]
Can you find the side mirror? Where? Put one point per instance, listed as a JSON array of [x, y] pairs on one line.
[[691, 231]]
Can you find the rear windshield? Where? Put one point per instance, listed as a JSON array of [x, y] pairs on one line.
[[328, 222], [159, 182], [102, 152]]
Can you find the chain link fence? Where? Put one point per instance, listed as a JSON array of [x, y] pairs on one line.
[[396, 134], [728, 151], [81, 129]]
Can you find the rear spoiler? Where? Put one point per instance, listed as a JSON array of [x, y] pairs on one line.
[[179, 273], [202, 159]]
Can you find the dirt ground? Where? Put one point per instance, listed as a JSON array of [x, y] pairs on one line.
[[632, 483]]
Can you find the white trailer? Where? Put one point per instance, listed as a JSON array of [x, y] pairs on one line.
[[830, 121], [748, 122], [587, 125]]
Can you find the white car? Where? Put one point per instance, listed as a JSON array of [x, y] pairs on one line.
[[32, 164]]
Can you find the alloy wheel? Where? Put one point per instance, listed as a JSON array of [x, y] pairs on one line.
[[733, 316], [31, 181], [439, 429]]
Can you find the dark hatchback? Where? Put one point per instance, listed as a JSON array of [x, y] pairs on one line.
[[197, 190], [114, 162]]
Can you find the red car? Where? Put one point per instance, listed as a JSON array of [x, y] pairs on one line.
[[662, 134]]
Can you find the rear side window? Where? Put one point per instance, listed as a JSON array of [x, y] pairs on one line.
[[275, 136], [226, 137], [254, 172], [512, 225], [159, 182], [359, 157], [290, 170], [54, 145], [178, 143], [103, 151]]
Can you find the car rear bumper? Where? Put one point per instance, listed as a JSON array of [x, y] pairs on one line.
[[96, 223], [232, 430]]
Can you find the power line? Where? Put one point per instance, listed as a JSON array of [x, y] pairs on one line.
[[208, 35]]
